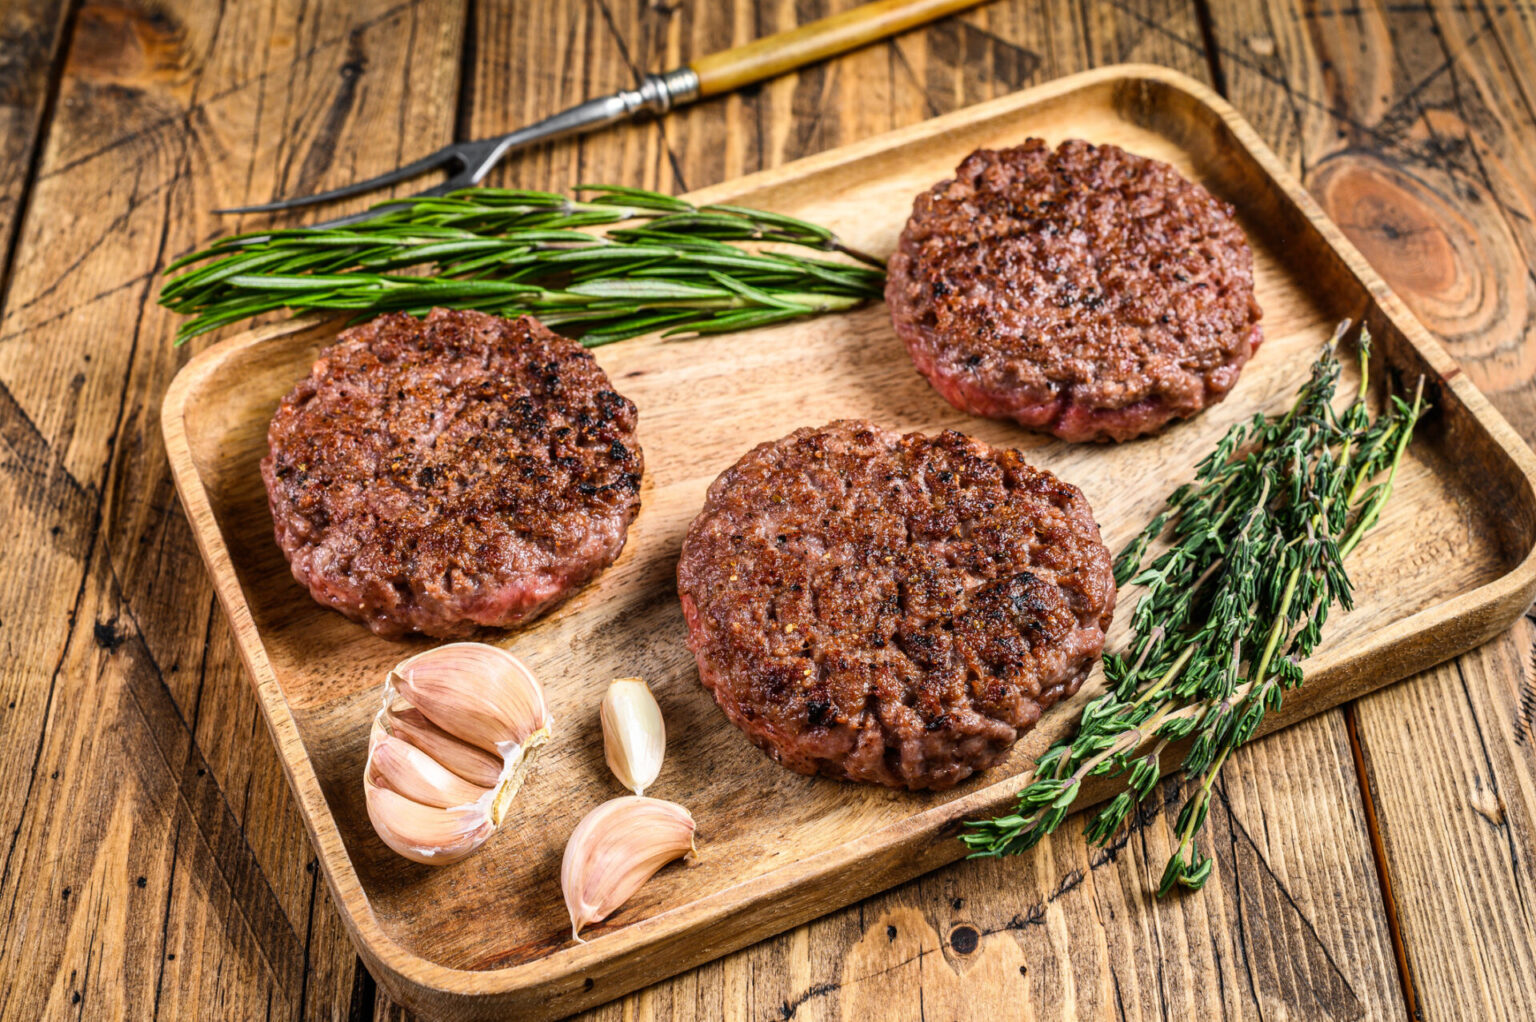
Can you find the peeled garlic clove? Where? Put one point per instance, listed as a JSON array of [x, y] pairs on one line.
[[406, 770], [615, 849], [481, 694], [425, 833], [634, 735], [410, 725]]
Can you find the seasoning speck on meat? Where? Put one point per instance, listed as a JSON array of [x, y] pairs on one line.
[[1084, 291], [892, 609], [451, 473]]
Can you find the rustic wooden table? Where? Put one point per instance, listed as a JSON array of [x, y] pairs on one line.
[[1375, 861]]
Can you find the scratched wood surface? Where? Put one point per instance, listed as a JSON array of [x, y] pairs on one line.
[[1374, 861]]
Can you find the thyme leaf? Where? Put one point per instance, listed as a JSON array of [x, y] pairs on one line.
[[1252, 560]]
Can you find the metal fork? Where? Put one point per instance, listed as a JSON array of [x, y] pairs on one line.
[[467, 163]]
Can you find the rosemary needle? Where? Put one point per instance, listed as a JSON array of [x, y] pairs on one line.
[[1252, 560], [620, 263]]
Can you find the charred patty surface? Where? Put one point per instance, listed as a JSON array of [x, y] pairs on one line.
[[445, 474], [1084, 291], [893, 609]]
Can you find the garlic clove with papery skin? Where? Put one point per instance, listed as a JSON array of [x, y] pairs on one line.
[[502, 708], [634, 735], [470, 762], [423, 833], [615, 849], [458, 730], [406, 770]]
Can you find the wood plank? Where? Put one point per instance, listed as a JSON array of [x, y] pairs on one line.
[[155, 861], [1453, 778], [1412, 124], [1125, 950], [30, 36]]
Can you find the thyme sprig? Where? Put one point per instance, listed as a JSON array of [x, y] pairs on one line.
[[671, 266], [1251, 559]]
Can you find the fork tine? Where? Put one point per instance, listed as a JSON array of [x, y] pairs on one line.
[[452, 184], [444, 157]]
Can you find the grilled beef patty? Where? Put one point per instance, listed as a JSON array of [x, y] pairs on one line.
[[893, 609], [444, 474], [1085, 292]]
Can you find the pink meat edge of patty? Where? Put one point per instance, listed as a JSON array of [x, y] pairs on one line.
[[1060, 416], [505, 607]]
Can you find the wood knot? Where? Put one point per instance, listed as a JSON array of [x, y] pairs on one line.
[[108, 635], [964, 939], [1430, 250]]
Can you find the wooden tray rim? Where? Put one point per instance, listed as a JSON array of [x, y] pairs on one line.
[[1494, 603]]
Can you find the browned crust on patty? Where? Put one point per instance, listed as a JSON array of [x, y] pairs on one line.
[[1084, 291], [444, 474], [887, 608]]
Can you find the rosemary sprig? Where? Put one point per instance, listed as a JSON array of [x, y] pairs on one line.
[[1251, 561], [671, 267]]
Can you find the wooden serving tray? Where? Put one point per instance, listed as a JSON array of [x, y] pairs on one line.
[[1450, 564]]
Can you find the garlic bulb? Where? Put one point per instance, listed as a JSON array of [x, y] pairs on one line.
[[634, 735], [449, 748], [615, 849]]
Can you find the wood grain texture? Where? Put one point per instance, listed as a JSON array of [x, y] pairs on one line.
[[1412, 124], [1449, 762], [1301, 73], [154, 861], [31, 33], [488, 935]]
